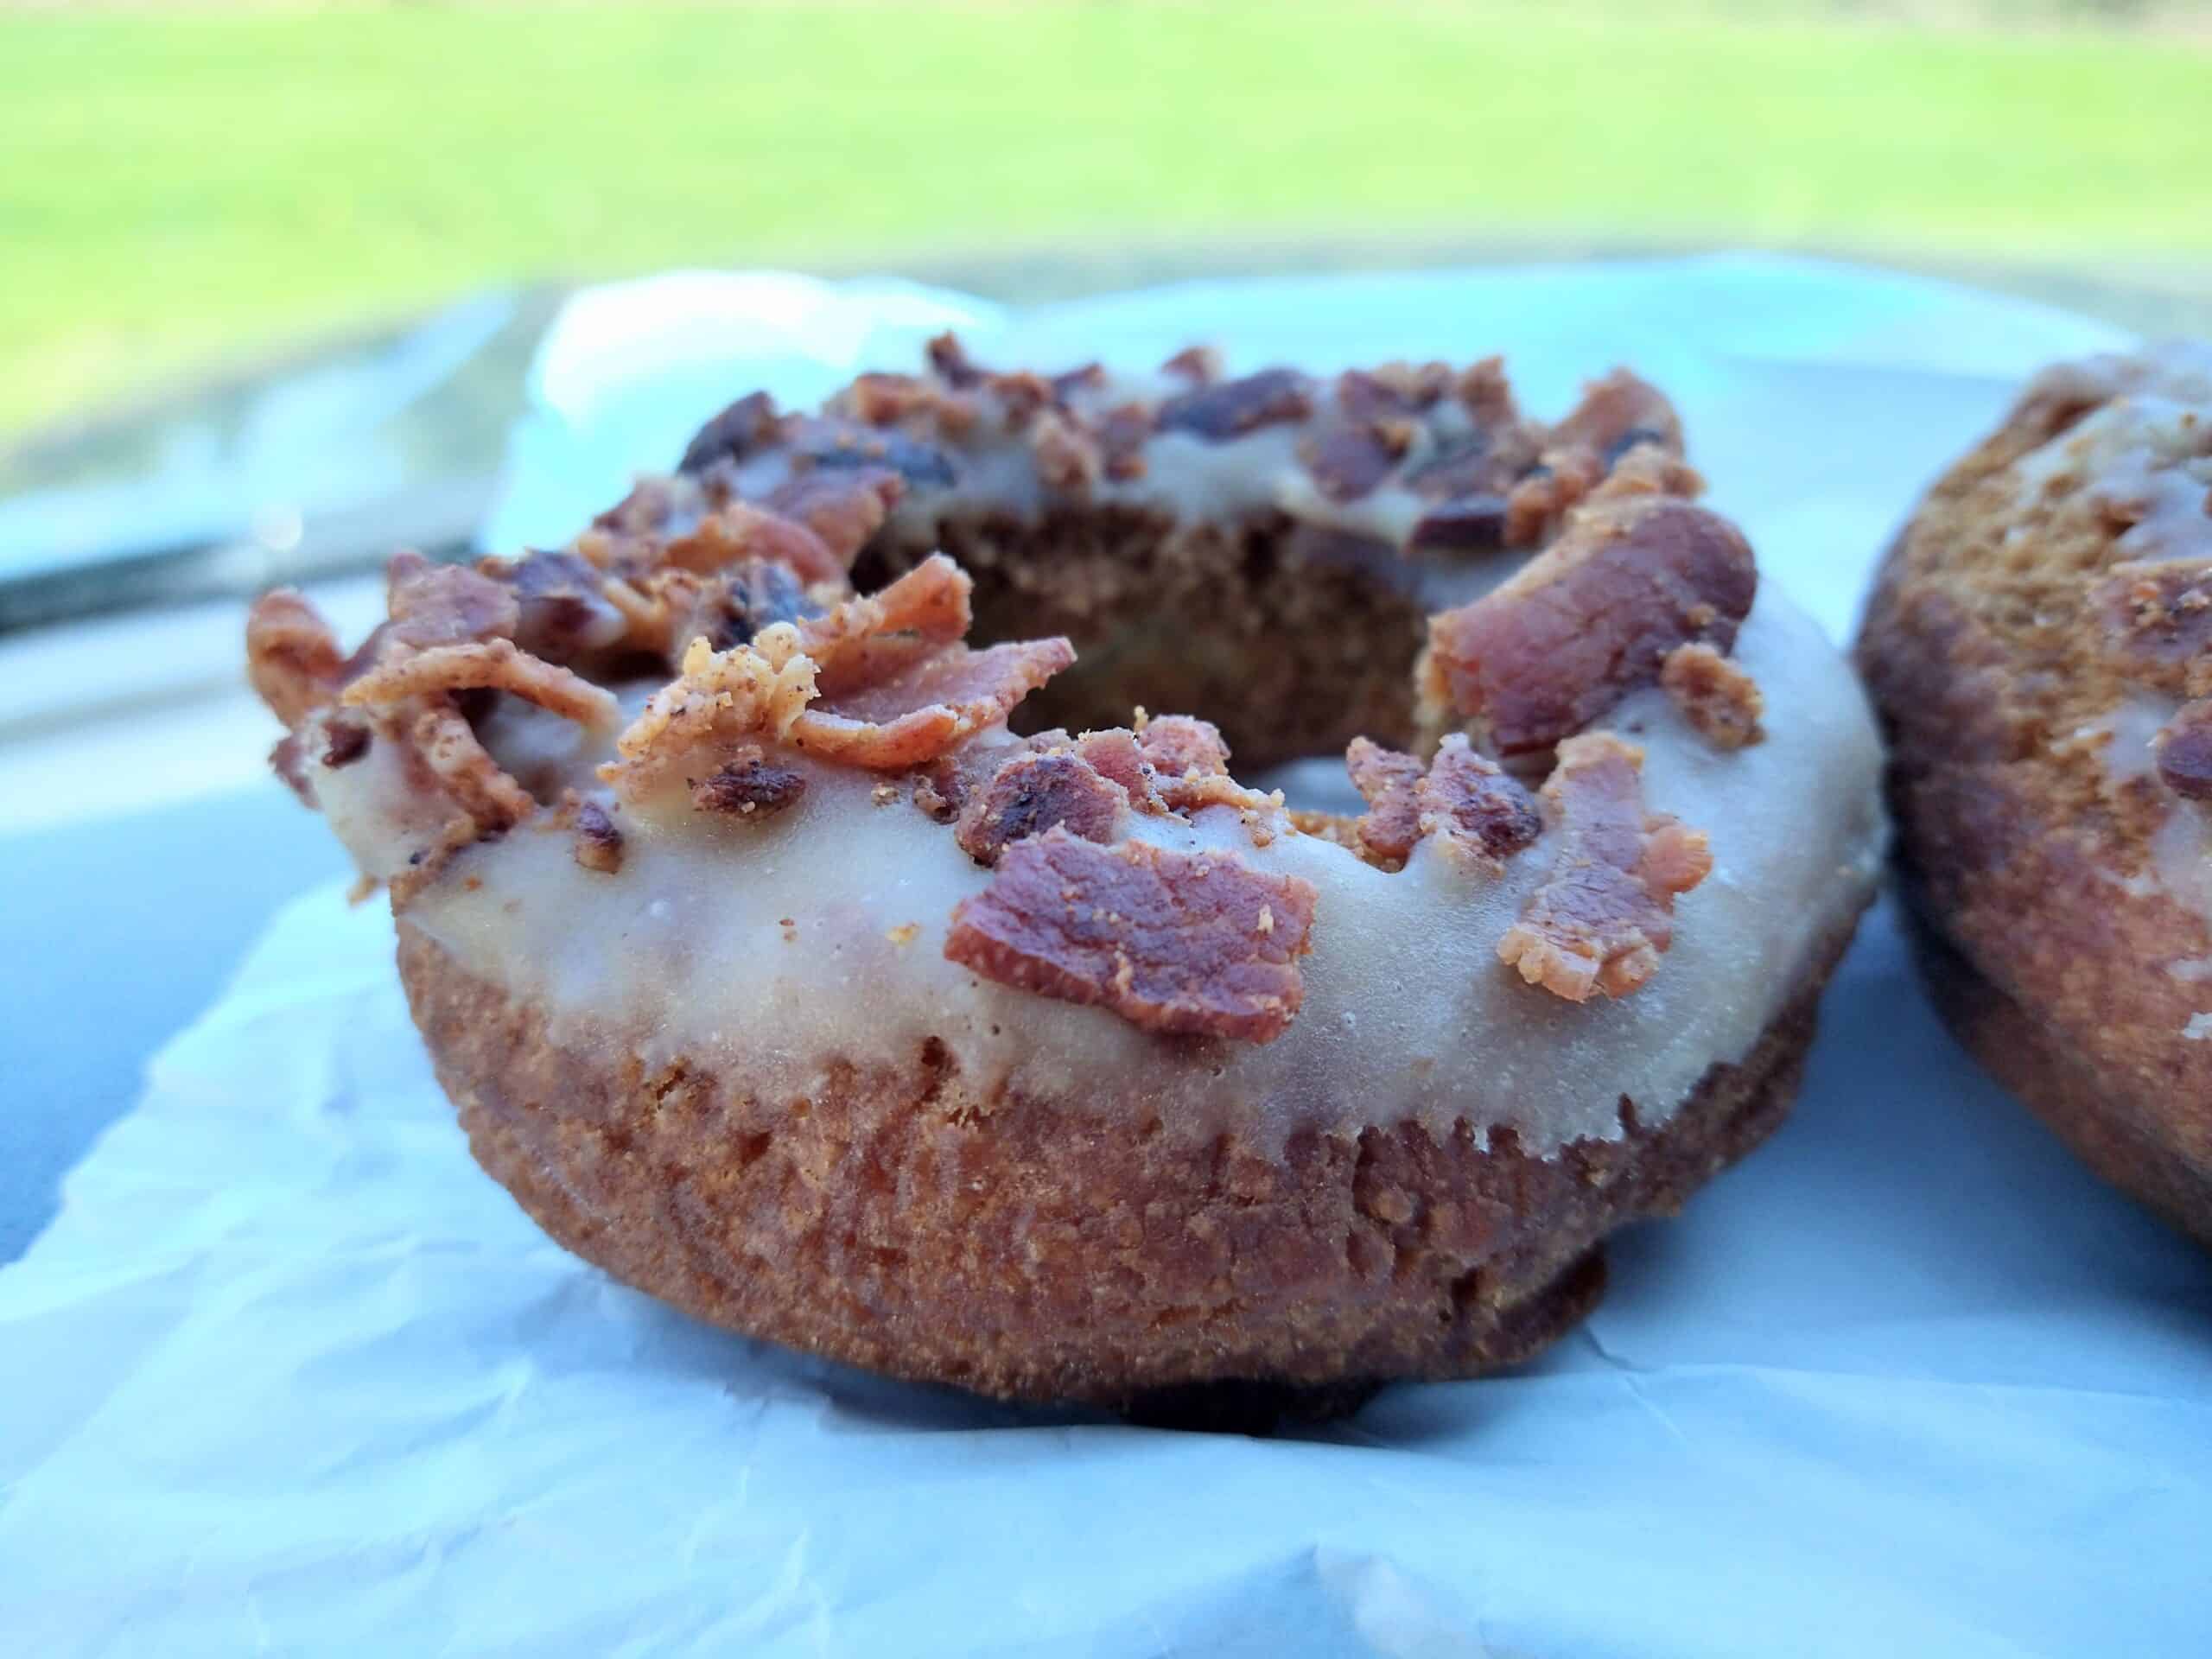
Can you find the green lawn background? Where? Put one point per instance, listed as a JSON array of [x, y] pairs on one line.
[[179, 188]]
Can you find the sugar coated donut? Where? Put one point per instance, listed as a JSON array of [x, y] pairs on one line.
[[771, 970], [2040, 649]]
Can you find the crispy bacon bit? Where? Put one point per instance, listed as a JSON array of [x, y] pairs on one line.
[[448, 745], [1394, 391], [598, 845], [1031, 794], [753, 689], [950, 360], [1349, 461], [749, 786], [1475, 463], [1618, 414], [1486, 394], [918, 713], [494, 664], [2157, 621], [1473, 524], [291, 656], [344, 741], [436, 605], [1389, 782], [1086, 378], [1719, 699], [564, 610], [1122, 432], [1605, 914], [1593, 617], [1178, 745], [1022, 396], [1217, 413], [1470, 800], [833, 444], [866, 639], [1114, 754], [741, 531], [1200, 364], [745, 426], [843, 508], [893, 399], [944, 786], [1172, 942], [2183, 749], [1459, 795], [1068, 460], [730, 609], [289, 761]]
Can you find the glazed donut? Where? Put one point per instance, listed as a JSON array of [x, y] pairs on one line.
[[2039, 647], [798, 990]]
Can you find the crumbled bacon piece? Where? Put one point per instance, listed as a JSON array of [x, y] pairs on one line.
[[344, 741], [1122, 432], [448, 745], [291, 656], [732, 606], [1180, 745], [842, 508], [1349, 461], [493, 665], [918, 713], [2157, 621], [757, 689], [749, 786], [1392, 391], [1387, 781], [1030, 793], [434, 604], [1114, 754], [1200, 364], [741, 532], [1618, 414], [819, 441], [1084, 377], [1068, 460], [1472, 524], [1484, 392], [1459, 795], [1202, 944], [1719, 699], [745, 426], [1474, 464], [1217, 413], [893, 399], [1593, 617], [2182, 749], [867, 639], [1022, 394], [1605, 914], [949, 358], [598, 844], [563, 608]]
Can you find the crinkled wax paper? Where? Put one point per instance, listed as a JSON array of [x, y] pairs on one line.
[[289, 1375]]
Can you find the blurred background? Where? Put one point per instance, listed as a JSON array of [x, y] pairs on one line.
[[272, 279]]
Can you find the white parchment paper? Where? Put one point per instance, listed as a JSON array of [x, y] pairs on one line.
[[289, 1375]]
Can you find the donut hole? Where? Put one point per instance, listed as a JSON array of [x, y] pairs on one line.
[[1292, 641]]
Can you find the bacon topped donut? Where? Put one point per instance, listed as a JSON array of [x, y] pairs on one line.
[[775, 968]]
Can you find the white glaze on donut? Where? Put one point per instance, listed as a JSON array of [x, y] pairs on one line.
[[770, 950]]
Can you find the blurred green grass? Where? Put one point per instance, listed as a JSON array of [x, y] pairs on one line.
[[177, 187]]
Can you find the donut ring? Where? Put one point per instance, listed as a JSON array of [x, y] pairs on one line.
[[2039, 647], [798, 991]]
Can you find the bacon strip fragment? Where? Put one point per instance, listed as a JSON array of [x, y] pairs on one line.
[[1195, 943], [1032, 793], [1461, 795], [919, 713], [493, 665], [2182, 749], [1605, 914], [434, 605], [1721, 703], [291, 656], [1593, 617]]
